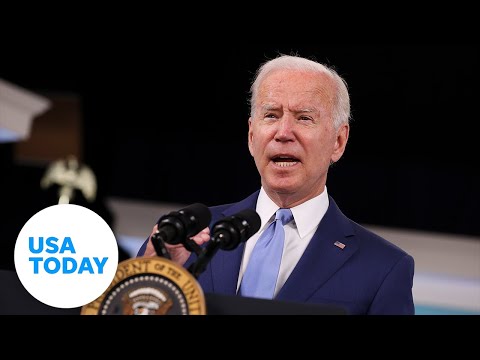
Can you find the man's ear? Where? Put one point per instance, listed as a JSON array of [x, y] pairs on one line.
[[340, 142], [250, 136]]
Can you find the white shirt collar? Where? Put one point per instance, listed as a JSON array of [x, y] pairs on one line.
[[306, 215]]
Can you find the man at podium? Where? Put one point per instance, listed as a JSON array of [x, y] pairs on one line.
[[307, 250]]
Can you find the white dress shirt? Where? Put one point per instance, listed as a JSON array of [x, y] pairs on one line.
[[298, 232]]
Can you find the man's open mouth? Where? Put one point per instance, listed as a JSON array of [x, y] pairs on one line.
[[285, 160]]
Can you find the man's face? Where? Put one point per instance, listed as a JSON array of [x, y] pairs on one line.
[[291, 135]]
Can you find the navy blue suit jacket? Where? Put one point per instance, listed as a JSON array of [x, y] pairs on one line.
[[369, 276]]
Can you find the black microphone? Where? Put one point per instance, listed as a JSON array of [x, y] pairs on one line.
[[178, 226], [228, 233]]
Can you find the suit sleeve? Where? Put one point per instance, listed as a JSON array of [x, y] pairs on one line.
[[142, 249], [394, 296]]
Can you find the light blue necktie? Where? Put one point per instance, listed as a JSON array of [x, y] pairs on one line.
[[260, 277]]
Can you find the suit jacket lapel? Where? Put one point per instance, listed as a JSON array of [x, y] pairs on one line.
[[226, 264], [322, 258]]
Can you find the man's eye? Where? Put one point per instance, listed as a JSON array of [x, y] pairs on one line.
[[270, 116], [305, 118]]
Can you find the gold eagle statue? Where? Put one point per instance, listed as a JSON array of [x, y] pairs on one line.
[[70, 175]]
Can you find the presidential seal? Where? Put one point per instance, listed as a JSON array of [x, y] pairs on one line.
[[150, 286]]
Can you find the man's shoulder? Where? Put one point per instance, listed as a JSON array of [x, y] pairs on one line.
[[367, 239], [219, 209], [375, 243]]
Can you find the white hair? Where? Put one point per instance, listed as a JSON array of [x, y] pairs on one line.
[[341, 106]]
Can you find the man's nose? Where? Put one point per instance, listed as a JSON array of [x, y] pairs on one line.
[[285, 129]]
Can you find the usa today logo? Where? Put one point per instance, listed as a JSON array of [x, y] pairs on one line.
[[66, 256]]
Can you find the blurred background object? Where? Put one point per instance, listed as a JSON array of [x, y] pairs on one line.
[[41, 141], [18, 108], [69, 175]]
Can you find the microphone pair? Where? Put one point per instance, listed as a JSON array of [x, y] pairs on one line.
[[177, 227]]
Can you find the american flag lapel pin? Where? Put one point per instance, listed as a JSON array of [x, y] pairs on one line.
[[339, 244]]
